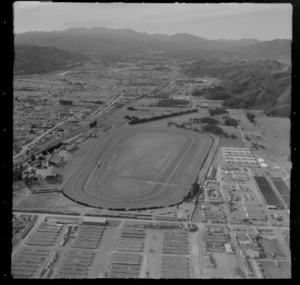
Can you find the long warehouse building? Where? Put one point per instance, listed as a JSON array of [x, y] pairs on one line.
[[268, 193]]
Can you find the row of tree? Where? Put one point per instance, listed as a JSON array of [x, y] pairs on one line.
[[192, 193], [131, 109], [217, 111], [170, 102], [208, 120], [65, 102], [214, 129], [213, 93], [135, 120]]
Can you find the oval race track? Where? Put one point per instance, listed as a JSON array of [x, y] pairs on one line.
[[139, 167]]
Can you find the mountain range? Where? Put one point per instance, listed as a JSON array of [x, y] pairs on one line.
[[31, 59], [100, 40]]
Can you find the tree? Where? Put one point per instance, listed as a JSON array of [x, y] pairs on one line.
[[214, 129], [208, 120], [93, 124], [231, 122], [17, 175], [217, 111], [251, 117]]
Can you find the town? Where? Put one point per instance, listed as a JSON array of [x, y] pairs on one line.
[[148, 164]]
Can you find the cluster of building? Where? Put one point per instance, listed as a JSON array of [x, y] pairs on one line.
[[32, 121], [262, 163], [211, 193], [21, 225], [240, 157], [173, 216], [125, 265], [212, 215], [248, 245], [254, 210], [215, 238], [175, 267]]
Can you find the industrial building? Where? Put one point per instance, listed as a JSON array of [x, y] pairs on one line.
[[256, 216], [94, 221], [211, 173], [56, 160], [72, 148], [282, 189], [267, 191], [213, 196], [236, 149], [228, 248], [250, 253]]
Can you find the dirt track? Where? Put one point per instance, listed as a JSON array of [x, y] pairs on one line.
[[139, 167]]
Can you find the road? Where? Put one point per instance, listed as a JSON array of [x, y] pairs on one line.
[[110, 104]]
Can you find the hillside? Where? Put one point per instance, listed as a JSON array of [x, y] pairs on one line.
[[248, 84], [101, 40], [30, 59], [269, 48]]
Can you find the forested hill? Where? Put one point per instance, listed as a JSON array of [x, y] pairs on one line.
[[30, 59], [248, 84]]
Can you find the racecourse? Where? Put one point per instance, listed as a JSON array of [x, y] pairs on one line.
[[139, 167]]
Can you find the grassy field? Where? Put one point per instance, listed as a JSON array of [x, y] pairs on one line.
[[40, 201], [224, 263], [133, 165], [273, 133], [277, 133], [49, 201], [228, 142]]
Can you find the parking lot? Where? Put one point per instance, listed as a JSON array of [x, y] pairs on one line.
[[46, 235], [124, 265], [176, 242], [75, 264], [26, 262], [131, 240], [175, 267], [89, 237]]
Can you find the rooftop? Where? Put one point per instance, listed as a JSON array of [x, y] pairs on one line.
[[55, 158]]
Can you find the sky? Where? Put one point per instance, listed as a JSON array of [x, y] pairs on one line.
[[211, 21]]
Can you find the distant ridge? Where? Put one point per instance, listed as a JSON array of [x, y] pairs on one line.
[[99, 40]]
